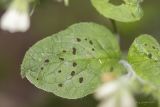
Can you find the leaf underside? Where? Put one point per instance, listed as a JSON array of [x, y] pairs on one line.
[[128, 11], [70, 63], [144, 56]]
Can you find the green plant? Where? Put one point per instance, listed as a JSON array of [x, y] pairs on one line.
[[71, 63]]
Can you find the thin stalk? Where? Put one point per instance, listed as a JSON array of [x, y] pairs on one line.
[[115, 29]]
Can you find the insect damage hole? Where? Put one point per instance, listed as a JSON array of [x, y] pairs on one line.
[[153, 47], [60, 85], [150, 55], [81, 80], [145, 44], [42, 68], [73, 73], [74, 64], [59, 71], [46, 61], [91, 42], [78, 39], [64, 51], [74, 50], [62, 59]]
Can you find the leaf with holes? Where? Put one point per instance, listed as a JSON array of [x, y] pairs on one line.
[[127, 11], [144, 56], [71, 62]]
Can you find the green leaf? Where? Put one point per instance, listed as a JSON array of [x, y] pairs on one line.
[[71, 62], [144, 56], [128, 11]]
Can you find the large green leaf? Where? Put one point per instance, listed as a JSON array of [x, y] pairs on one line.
[[128, 11], [144, 56], [70, 63]]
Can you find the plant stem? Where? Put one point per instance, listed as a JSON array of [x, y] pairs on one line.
[[115, 29]]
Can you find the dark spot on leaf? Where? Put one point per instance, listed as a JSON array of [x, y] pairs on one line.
[[59, 71], [73, 73], [145, 44], [111, 69], [153, 47], [80, 79], [60, 85], [62, 59], [46, 61], [91, 42], [74, 64], [37, 79], [64, 51], [85, 39], [150, 55], [74, 51], [42, 68], [78, 39], [93, 49]]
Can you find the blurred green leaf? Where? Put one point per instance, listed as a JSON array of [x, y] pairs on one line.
[[129, 11], [144, 56]]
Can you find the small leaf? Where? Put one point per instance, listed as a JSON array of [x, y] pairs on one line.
[[128, 11], [71, 62], [144, 56]]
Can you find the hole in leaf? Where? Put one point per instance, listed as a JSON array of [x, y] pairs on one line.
[[93, 49], [42, 68], [80, 79], [91, 42], [59, 71], [78, 39], [62, 59], [60, 85], [73, 73], [74, 64], [150, 55], [153, 47], [74, 51], [116, 2], [145, 44], [46, 61], [64, 51], [37, 79], [111, 69]]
